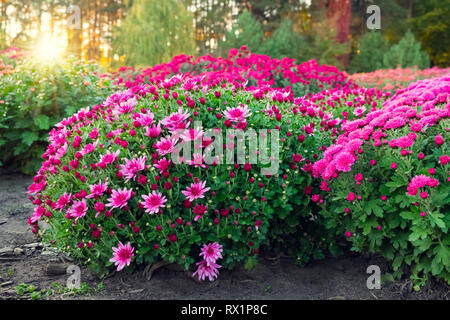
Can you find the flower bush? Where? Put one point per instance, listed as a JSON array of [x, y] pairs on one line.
[[392, 79], [241, 67], [388, 179], [110, 191], [34, 97]]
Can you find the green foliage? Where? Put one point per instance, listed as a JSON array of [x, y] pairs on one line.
[[433, 30], [285, 42], [36, 96], [406, 53], [370, 52], [153, 32], [247, 31]]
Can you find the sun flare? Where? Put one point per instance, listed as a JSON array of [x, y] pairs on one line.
[[50, 48]]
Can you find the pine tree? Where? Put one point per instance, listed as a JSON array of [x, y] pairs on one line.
[[286, 42], [154, 31], [369, 55], [247, 31], [406, 53]]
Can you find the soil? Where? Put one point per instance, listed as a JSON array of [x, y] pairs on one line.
[[24, 260]]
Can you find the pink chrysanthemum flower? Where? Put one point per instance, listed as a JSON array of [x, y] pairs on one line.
[[122, 255], [125, 107], [237, 114], [211, 252], [165, 145], [119, 198], [192, 135], [176, 120], [153, 132], [109, 157], [344, 161], [206, 271], [37, 214], [162, 165], [78, 209], [36, 187], [97, 190], [199, 210], [63, 201], [195, 191], [132, 167], [153, 202], [198, 161], [144, 119]]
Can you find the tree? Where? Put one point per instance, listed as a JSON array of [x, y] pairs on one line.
[[431, 27], [247, 31], [286, 42], [369, 55], [154, 31], [406, 53]]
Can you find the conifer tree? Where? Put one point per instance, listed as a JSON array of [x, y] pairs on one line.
[[406, 53]]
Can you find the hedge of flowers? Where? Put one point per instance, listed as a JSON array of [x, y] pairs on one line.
[[241, 67], [34, 97], [388, 178], [392, 79]]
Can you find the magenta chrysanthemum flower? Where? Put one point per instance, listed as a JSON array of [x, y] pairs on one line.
[[109, 157], [153, 132], [63, 201], [119, 198], [97, 190], [37, 214], [176, 120], [199, 210], [36, 187], [153, 202], [197, 161], [237, 114], [344, 161], [162, 165], [206, 271], [195, 191], [122, 255], [78, 209], [132, 167], [192, 135], [211, 252], [165, 145]]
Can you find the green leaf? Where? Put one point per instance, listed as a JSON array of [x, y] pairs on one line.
[[43, 122], [28, 137]]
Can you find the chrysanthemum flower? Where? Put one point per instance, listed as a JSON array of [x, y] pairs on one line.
[[132, 167], [97, 189], [119, 198], [109, 157], [344, 161], [163, 165], [63, 201], [153, 202], [211, 252], [78, 209], [206, 271], [199, 210], [195, 191], [176, 120], [165, 145], [122, 255], [237, 114]]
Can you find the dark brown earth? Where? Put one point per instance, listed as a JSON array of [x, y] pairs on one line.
[[23, 260]]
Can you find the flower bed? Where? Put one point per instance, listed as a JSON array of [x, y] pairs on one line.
[[388, 176], [242, 67], [110, 191], [392, 79]]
